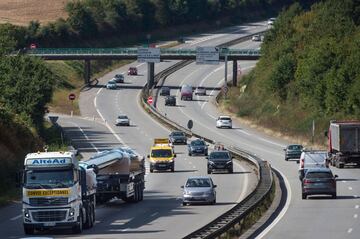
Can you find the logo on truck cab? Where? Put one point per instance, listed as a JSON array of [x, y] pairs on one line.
[[48, 162]]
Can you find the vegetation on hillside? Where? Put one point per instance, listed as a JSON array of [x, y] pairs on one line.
[[90, 20], [309, 70]]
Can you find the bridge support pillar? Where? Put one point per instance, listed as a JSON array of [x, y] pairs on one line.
[[87, 72], [150, 74], [235, 73]]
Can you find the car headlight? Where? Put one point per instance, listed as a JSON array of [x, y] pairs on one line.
[[71, 212], [230, 162], [26, 213], [211, 162]]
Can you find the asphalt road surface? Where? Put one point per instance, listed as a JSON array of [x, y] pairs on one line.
[[161, 214]]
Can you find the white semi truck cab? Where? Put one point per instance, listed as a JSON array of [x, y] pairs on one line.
[[57, 192]]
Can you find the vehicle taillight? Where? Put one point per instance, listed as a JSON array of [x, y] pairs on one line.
[[306, 181], [302, 163]]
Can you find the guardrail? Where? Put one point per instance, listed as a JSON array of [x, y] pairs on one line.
[[235, 217]]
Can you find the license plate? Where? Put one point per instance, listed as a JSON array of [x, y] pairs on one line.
[[49, 224], [162, 165]]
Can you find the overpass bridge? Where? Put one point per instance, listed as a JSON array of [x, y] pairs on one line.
[[88, 54]]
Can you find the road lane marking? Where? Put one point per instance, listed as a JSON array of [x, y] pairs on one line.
[[355, 216], [86, 137], [154, 214], [350, 188], [243, 131], [271, 142], [349, 230], [283, 211], [356, 206], [15, 218]]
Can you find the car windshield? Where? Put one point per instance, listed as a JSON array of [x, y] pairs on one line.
[[122, 117], [177, 134], [161, 153], [198, 182], [49, 178], [200, 88], [295, 147], [224, 118], [111, 82], [219, 155], [319, 175], [197, 143]]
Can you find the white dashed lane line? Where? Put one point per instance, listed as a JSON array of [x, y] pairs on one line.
[[350, 188], [15, 218], [356, 206], [350, 230], [355, 216]]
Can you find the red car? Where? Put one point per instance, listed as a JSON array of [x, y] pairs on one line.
[[132, 71]]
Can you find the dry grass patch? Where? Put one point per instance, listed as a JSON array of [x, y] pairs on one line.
[[21, 12]]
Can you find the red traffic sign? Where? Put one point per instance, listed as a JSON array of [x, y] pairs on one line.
[[33, 46], [72, 96], [150, 100]]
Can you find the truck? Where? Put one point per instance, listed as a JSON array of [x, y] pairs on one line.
[[162, 155], [57, 192], [344, 143], [121, 174]]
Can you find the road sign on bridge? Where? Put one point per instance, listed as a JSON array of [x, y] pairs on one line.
[[207, 55], [149, 55]]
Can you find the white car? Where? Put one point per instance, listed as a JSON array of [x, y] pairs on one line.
[[312, 159], [111, 85], [224, 122], [256, 38], [271, 21], [122, 120], [200, 91]]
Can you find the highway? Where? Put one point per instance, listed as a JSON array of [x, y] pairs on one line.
[[161, 214], [317, 217]]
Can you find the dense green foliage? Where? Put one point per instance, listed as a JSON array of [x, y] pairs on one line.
[[309, 69], [101, 19]]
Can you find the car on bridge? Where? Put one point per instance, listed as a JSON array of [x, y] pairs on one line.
[[199, 190], [122, 120], [170, 100], [178, 137], [318, 181], [197, 147], [119, 78], [224, 122], [220, 160], [200, 90], [132, 71], [111, 85], [293, 151]]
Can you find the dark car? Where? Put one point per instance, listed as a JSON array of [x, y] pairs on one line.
[[198, 147], [293, 151], [170, 100], [318, 181], [220, 161], [178, 137], [165, 91], [132, 71]]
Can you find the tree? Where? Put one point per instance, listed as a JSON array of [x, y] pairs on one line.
[[81, 19]]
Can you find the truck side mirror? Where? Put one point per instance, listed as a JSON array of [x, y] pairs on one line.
[[326, 134], [18, 178], [174, 155], [182, 186], [94, 167], [148, 156]]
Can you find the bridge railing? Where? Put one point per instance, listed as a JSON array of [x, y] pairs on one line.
[[131, 51]]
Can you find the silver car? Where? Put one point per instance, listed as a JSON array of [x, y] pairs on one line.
[[122, 120], [200, 91], [199, 190], [111, 85]]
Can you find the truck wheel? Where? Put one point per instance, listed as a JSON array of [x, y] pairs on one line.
[[89, 218], [334, 196], [286, 159], [79, 227], [209, 171], [303, 196], [172, 169], [28, 230], [341, 165], [151, 170], [231, 170]]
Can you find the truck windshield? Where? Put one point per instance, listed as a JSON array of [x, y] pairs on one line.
[[49, 178], [161, 153]]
